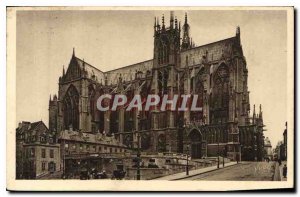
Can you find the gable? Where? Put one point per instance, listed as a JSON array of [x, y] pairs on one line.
[[73, 71]]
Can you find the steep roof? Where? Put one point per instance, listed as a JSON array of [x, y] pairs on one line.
[[213, 51], [28, 126], [91, 70], [128, 72]]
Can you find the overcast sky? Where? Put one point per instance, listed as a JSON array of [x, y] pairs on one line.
[[113, 39]]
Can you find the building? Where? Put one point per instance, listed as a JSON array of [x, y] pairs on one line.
[[281, 148], [268, 149], [87, 150], [285, 142], [216, 72], [252, 138], [37, 153]]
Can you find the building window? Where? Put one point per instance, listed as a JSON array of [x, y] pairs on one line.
[[51, 153], [32, 152], [66, 146], [110, 150], [43, 153], [94, 148], [87, 147], [74, 146], [80, 147], [100, 149], [43, 166], [116, 150], [51, 166]]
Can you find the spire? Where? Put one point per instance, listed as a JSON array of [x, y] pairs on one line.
[[50, 98], [157, 23], [254, 115], [154, 25], [163, 22], [171, 19], [73, 52], [185, 18], [238, 31], [260, 112], [238, 34], [259, 108], [63, 70], [176, 25]]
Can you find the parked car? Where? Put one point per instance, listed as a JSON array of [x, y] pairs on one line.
[[84, 174], [118, 174], [101, 175]]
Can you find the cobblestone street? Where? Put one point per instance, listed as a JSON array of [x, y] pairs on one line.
[[246, 171]]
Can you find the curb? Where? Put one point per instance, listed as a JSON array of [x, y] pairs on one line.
[[204, 172]]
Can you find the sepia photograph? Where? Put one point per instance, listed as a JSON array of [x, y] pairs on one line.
[[150, 98]]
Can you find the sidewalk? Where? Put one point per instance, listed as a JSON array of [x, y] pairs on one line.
[[280, 171], [182, 175]]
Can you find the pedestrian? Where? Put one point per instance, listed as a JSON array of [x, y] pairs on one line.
[[279, 162], [284, 171]]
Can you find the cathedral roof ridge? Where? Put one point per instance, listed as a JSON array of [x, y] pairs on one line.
[[88, 64], [107, 72], [212, 43]]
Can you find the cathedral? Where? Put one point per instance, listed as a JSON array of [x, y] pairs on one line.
[[216, 72]]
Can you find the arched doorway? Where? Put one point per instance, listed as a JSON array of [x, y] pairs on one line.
[[196, 145]]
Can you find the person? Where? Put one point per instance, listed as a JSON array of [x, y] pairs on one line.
[[284, 171], [279, 162]]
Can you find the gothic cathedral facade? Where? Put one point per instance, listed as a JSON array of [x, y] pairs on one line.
[[216, 72]]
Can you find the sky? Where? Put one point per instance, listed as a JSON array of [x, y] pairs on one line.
[[113, 39]]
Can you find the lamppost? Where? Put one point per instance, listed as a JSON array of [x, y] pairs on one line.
[[223, 157], [218, 149], [138, 171], [187, 159]]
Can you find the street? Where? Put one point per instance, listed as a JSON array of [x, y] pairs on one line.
[[245, 171]]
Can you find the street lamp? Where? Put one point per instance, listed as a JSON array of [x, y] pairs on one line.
[[218, 149], [138, 171], [223, 157], [187, 159]]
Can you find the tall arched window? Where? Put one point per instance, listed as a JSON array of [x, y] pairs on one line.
[[129, 115], [161, 143], [219, 109], [71, 108], [100, 117], [92, 101], [198, 89], [197, 116]]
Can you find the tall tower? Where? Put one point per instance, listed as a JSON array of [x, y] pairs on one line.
[[166, 60], [53, 113]]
